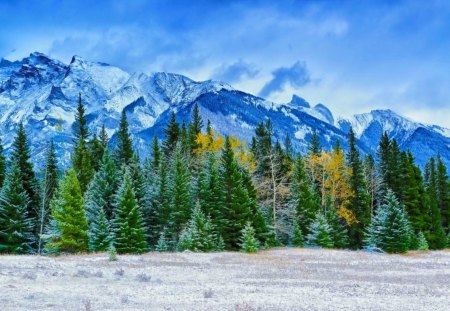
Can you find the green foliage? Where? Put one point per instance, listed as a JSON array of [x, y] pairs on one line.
[[422, 244], [162, 245], [320, 232], [2, 165], [390, 229], [124, 149], [249, 243], [100, 238], [129, 230], [172, 132], [339, 233], [112, 252], [296, 235], [70, 229], [16, 227]]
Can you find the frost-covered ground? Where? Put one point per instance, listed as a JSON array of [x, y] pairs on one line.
[[279, 279]]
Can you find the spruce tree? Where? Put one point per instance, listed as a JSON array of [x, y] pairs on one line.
[[49, 187], [314, 144], [103, 138], [129, 230], [172, 132], [69, 232], [180, 193], [195, 127], [2, 165], [303, 198], [249, 243], [235, 209], [320, 232], [96, 150], [21, 155], [16, 233], [124, 149], [162, 244], [443, 192], [156, 154], [296, 235], [81, 156], [359, 200], [210, 193], [100, 236], [389, 228], [339, 232], [422, 244]]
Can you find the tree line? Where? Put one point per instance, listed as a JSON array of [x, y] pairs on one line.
[[200, 191]]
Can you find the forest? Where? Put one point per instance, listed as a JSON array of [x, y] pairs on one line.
[[199, 191]]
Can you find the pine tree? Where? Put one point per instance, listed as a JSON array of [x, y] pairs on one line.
[[303, 199], [422, 244], [172, 132], [16, 233], [81, 157], [359, 200], [124, 149], [100, 194], [70, 228], [235, 210], [199, 235], [21, 155], [129, 230], [296, 235], [249, 243], [320, 232], [2, 165], [49, 187], [390, 229], [162, 245], [180, 193]]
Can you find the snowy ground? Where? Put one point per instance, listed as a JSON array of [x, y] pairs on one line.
[[279, 279]]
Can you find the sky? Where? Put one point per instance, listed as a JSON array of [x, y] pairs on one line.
[[352, 56]]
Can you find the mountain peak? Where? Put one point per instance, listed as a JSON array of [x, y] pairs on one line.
[[298, 101]]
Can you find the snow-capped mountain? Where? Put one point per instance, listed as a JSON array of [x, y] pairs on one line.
[[42, 93], [423, 140]]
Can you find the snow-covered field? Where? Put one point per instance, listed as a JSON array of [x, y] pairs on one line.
[[279, 279]]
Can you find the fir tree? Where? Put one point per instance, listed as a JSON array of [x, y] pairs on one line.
[[339, 232], [172, 132], [303, 199], [249, 243], [359, 200], [422, 244], [443, 192], [296, 235], [103, 138], [235, 210], [81, 157], [70, 229], [2, 165], [320, 232], [129, 230], [156, 154], [314, 144], [100, 238], [162, 245], [16, 227], [390, 229], [21, 155], [96, 150], [124, 150], [49, 187], [195, 127]]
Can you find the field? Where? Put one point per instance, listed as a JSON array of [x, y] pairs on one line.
[[278, 279]]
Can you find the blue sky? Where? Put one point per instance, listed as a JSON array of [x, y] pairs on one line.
[[353, 56]]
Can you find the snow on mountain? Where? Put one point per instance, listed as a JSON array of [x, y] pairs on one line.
[[424, 141], [43, 92]]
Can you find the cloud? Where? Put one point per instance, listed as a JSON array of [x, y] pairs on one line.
[[235, 72], [296, 76]]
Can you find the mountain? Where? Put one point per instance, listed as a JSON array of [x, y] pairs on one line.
[[423, 140], [42, 93]]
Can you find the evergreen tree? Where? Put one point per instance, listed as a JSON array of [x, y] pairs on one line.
[[390, 229], [249, 243], [180, 193], [2, 165], [195, 127], [235, 210], [422, 244], [100, 194], [303, 199], [314, 144], [172, 132], [100, 238], [70, 229], [49, 187], [81, 157], [156, 154], [359, 200], [339, 233], [129, 230], [96, 150], [21, 155], [16, 227], [103, 138], [124, 150], [162, 245], [443, 192], [296, 235], [199, 236], [320, 232]]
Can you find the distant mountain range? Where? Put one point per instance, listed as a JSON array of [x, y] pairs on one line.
[[42, 93]]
